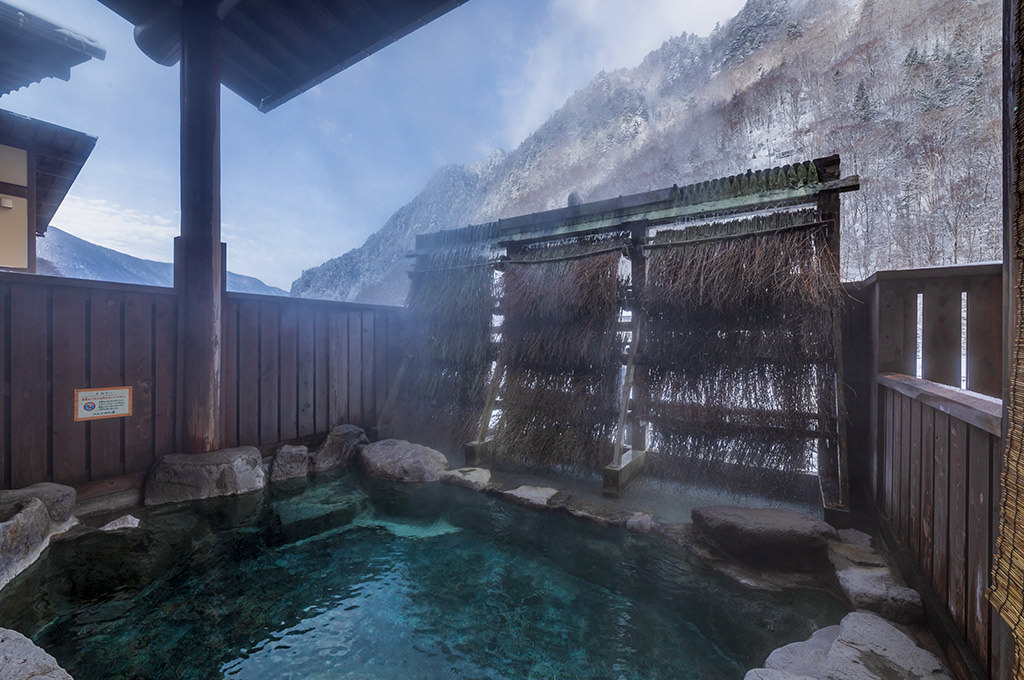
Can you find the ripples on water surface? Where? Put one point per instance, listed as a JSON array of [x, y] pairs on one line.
[[433, 582]]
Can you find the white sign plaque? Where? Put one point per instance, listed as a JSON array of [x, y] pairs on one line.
[[106, 402]]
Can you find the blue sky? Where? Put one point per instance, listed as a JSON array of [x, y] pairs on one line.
[[313, 178]]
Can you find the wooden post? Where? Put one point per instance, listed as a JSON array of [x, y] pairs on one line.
[[199, 270]]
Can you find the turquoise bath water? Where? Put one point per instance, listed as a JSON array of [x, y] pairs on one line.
[[335, 580]]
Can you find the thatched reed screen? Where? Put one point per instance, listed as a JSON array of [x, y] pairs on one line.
[[739, 330], [560, 354], [448, 340]]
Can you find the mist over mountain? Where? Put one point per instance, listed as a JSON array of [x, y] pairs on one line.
[[61, 254], [907, 91]]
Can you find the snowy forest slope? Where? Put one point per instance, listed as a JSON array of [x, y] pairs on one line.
[[907, 91]]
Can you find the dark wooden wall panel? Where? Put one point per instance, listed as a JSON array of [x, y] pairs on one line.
[[288, 407], [321, 421], [940, 541], [269, 373], [248, 373], [138, 373], [306, 359], [165, 353], [337, 363], [979, 540], [229, 373], [70, 307], [106, 356], [28, 394], [355, 373]]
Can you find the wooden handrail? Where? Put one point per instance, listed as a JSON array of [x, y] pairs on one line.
[[975, 409]]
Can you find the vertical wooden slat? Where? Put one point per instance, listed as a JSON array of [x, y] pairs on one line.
[[905, 470], [248, 373], [891, 422], [138, 368], [380, 363], [368, 412], [321, 381], [29, 399], [306, 358], [940, 339], [957, 593], [269, 367], [927, 490], [5, 386], [979, 540], [940, 487], [897, 327], [229, 372], [984, 344], [355, 373], [914, 474], [165, 342], [69, 361], [338, 363], [288, 408], [105, 357]]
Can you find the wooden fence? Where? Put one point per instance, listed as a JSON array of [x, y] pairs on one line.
[[290, 368], [935, 457]]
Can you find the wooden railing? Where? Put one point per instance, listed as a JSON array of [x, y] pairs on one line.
[[934, 449], [290, 368]]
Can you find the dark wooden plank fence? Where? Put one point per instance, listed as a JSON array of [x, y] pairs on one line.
[[290, 368], [935, 455]]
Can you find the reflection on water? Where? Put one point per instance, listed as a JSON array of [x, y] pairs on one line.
[[411, 582]]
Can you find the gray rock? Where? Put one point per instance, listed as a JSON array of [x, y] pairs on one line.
[[805, 658], [401, 461], [640, 521], [339, 449], [855, 537], [603, 515], [59, 499], [21, 659], [537, 497], [124, 522], [871, 648], [193, 476], [478, 479], [290, 462], [773, 674], [844, 555], [766, 538], [876, 589], [24, 534]]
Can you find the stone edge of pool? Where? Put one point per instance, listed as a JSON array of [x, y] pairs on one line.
[[761, 548]]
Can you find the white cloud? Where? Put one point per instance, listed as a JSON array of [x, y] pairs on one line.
[[108, 224], [587, 36]]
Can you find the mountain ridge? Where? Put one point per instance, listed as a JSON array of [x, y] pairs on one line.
[[907, 93]]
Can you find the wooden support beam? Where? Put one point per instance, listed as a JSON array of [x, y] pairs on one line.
[[199, 272]]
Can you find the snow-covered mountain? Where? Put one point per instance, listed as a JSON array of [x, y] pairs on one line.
[[907, 91], [61, 254]]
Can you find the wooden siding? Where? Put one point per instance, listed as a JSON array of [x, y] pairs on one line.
[[936, 451], [290, 368]]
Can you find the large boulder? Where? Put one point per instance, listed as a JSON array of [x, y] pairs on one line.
[[806, 658], [766, 538], [401, 461], [21, 659], [58, 499], [339, 449], [24, 533], [194, 476], [870, 648]]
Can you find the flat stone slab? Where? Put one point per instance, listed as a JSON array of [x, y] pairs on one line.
[[58, 499], [806, 658], [766, 538], [290, 462], [870, 648], [844, 555], [123, 522], [478, 479], [194, 476], [878, 590], [401, 461], [537, 497], [773, 674], [22, 659], [340, 449]]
